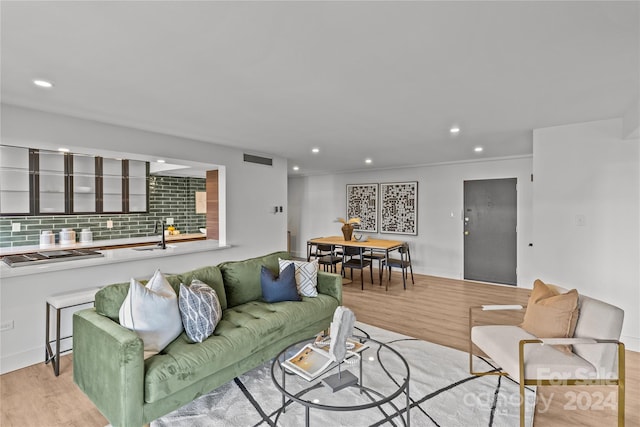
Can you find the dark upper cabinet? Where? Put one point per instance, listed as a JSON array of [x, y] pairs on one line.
[[43, 182], [84, 183], [113, 185], [138, 184], [51, 182], [15, 180]]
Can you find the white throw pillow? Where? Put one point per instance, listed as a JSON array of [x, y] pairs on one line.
[[152, 312], [306, 275]]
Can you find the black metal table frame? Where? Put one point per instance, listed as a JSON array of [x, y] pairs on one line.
[[370, 244], [404, 387]]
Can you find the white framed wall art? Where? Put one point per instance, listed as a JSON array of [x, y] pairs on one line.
[[362, 202], [399, 208]]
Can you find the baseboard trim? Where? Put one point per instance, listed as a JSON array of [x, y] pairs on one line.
[[30, 357], [631, 343], [16, 361]]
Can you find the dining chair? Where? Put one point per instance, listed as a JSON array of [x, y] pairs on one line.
[[312, 250], [327, 257], [403, 263], [376, 255], [353, 258]]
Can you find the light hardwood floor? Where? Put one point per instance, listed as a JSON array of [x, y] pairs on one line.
[[434, 309]]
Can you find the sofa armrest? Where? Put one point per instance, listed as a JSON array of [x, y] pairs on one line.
[[477, 310], [330, 284], [602, 377], [568, 341], [492, 312], [108, 366], [495, 307]]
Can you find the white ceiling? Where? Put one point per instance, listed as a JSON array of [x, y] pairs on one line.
[[383, 80]]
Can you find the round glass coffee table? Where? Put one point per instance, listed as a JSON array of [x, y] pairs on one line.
[[381, 377]]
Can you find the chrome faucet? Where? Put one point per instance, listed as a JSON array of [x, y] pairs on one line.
[[163, 242]]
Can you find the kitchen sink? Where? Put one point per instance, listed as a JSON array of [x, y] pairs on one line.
[[152, 248], [44, 257]]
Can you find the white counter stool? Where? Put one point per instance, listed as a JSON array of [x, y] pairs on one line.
[[60, 302]]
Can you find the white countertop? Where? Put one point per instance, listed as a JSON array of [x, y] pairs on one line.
[[111, 256], [15, 250]]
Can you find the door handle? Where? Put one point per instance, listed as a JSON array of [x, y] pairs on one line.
[[466, 232]]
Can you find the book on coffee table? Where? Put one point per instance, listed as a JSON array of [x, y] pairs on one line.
[[313, 359], [353, 345]]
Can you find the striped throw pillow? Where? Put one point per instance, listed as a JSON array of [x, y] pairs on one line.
[[200, 310], [306, 275]]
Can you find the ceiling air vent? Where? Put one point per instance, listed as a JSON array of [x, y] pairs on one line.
[[257, 159]]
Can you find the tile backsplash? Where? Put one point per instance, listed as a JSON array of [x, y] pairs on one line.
[[169, 197]]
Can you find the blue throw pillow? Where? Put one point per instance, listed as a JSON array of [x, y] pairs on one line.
[[281, 288]]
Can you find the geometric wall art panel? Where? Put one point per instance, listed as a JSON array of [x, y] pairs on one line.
[[362, 202], [399, 207]]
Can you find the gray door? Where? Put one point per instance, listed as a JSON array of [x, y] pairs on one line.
[[490, 220]]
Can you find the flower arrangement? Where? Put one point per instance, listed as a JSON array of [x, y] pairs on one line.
[[350, 221], [347, 227]]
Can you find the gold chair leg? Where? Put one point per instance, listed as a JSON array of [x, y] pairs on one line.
[[522, 402], [621, 383], [522, 380]]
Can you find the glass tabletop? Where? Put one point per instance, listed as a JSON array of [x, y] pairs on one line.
[[382, 377]]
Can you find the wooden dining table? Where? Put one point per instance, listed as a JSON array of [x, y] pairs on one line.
[[377, 244]]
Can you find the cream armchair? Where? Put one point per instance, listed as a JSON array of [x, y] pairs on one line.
[[596, 356]]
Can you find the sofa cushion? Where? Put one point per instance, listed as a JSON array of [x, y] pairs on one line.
[[212, 276], [200, 310], [591, 325], [550, 314], [152, 312], [110, 298], [281, 288], [242, 278], [243, 331], [541, 361]]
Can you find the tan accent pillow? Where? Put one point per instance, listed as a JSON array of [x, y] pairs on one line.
[[550, 314]]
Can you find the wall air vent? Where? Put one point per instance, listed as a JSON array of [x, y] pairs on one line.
[[257, 159]]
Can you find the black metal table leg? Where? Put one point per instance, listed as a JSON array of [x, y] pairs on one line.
[[56, 361], [48, 352]]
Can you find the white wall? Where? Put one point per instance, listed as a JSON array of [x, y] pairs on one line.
[[316, 201], [589, 170], [23, 297], [252, 229], [251, 190]]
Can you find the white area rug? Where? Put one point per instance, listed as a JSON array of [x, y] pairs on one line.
[[443, 394]]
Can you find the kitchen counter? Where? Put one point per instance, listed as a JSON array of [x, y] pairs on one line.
[[26, 288], [114, 256], [103, 244]]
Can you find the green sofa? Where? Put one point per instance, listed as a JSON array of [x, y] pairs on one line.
[[108, 363]]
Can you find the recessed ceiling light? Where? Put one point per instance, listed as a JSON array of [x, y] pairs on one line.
[[296, 168], [160, 161], [315, 150], [43, 83], [63, 150], [368, 161], [478, 149], [454, 130]]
